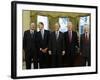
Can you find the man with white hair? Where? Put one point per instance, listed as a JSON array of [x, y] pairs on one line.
[[85, 46], [29, 46]]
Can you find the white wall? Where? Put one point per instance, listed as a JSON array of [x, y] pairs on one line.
[[5, 40]]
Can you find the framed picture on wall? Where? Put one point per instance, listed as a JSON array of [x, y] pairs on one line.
[[50, 39]]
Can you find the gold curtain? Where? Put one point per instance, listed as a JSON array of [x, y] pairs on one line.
[[52, 21], [33, 18], [75, 22]]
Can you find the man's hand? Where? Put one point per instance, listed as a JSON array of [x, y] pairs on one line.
[[40, 49], [80, 53], [49, 52], [44, 50], [63, 52]]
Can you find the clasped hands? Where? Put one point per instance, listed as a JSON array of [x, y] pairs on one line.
[[44, 50], [63, 52]]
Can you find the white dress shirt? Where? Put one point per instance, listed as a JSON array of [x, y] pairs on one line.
[[42, 33], [57, 34]]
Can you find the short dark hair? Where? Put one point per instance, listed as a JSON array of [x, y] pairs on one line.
[[41, 23]]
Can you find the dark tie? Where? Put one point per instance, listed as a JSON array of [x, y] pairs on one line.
[[69, 35], [32, 33], [86, 38]]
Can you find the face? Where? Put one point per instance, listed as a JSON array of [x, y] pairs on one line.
[[41, 26], [86, 29], [57, 27], [70, 25], [32, 26]]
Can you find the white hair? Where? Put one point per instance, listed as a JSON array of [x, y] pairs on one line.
[[86, 26]]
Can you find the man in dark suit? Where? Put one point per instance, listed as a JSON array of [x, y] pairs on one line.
[[56, 47], [42, 42], [71, 44], [29, 46], [85, 46]]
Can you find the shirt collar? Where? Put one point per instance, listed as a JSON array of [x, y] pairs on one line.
[[42, 30], [87, 33], [31, 31], [57, 31], [69, 30]]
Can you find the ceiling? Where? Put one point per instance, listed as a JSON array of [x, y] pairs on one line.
[[57, 14]]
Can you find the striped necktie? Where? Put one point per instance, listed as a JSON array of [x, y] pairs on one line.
[[70, 35]]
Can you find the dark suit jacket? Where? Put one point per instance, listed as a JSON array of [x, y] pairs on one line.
[[56, 45], [71, 47], [43, 43], [29, 44], [84, 47]]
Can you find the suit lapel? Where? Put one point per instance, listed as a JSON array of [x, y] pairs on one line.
[[54, 34], [29, 34], [40, 35], [83, 36], [44, 34], [67, 36]]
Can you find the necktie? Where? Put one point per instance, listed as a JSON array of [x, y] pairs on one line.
[[32, 34], [86, 38], [57, 35], [42, 34], [70, 36]]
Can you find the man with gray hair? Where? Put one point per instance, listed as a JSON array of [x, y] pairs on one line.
[[56, 47], [71, 45], [85, 46]]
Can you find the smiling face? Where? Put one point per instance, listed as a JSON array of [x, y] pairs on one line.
[[70, 25], [86, 28], [32, 27], [41, 25], [57, 26]]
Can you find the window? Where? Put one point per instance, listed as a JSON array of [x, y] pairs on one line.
[[43, 19], [63, 24], [83, 20]]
